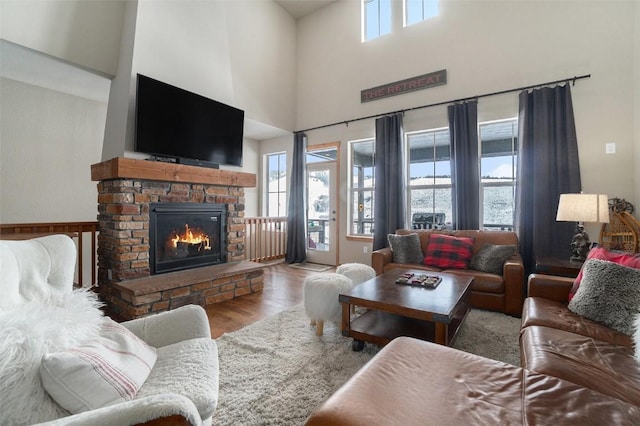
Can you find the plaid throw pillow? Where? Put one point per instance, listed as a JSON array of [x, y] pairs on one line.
[[445, 251]]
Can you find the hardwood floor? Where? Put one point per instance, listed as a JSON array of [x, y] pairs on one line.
[[282, 290]]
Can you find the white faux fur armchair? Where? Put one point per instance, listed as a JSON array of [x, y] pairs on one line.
[[40, 313]]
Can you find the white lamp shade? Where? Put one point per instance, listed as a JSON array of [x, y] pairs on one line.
[[583, 208]]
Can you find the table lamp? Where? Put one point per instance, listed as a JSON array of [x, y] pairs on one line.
[[582, 208]]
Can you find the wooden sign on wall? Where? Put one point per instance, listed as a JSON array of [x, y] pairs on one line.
[[437, 78]]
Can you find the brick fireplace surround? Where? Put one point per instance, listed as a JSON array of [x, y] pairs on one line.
[[126, 188]]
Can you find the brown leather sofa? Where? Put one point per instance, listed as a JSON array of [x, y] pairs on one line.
[[573, 372], [556, 342], [412, 382], [504, 293]]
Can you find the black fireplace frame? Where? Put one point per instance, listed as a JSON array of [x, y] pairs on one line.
[[218, 214]]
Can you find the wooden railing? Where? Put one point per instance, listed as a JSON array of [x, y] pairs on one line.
[[79, 231], [265, 238]]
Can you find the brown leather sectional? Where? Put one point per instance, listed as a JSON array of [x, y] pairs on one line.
[[503, 293], [573, 372], [559, 343]]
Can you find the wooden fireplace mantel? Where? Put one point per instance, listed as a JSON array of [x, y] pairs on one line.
[[129, 168]]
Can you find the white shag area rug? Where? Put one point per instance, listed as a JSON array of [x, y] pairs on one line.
[[277, 371]]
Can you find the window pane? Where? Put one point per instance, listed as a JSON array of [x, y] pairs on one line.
[[362, 212], [498, 205], [362, 168], [377, 18], [321, 155], [420, 10], [276, 185], [429, 157], [498, 144], [431, 206], [362, 182]]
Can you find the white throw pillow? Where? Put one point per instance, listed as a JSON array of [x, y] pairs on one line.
[[106, 371]]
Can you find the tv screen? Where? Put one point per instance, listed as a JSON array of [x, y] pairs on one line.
[[176, 123]]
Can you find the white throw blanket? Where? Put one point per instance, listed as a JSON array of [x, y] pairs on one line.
[[27, 332]]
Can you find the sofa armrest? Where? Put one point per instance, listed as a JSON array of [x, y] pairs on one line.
[[513, 275], [186, 322], [550, 287], [165, 409], [380, 258]]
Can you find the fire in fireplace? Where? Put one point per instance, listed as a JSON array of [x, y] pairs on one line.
[[185, 235]]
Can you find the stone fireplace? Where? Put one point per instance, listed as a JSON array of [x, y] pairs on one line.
[[140, 201]]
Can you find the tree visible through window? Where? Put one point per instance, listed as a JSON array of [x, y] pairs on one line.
[[276, 185], [376, 18]]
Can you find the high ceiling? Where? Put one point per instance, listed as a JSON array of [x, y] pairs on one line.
[[300, 8]]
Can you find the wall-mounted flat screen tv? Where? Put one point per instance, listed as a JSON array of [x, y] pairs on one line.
[[175, 124]]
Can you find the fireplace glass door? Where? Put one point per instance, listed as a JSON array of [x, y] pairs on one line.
[[185, 235]]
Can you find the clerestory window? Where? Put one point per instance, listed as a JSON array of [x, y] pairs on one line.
[[419, 10], [376, 18]]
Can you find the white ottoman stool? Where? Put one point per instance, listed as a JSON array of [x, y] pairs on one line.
[[320, 293], [357, 272]]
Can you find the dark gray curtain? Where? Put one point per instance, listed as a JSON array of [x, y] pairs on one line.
[[548, 166], [296, 212], [465, 174], [389, 200]]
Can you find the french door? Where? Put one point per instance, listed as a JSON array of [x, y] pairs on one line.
[[322, 213]]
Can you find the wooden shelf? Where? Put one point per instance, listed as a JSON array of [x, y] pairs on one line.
[[129, 168]]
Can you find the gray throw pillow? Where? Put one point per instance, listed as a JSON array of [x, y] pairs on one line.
[[490, 258], [405, 248], [609, 294]]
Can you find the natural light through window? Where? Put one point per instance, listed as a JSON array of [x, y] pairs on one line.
[[498, 146], [376, 18], [429, 179], [277, 185], [361, 161], [419, 10]]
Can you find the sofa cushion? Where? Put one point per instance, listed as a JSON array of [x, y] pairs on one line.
[[107, 370], [620, 257], [604, 367], [188, 368], [405, 248], [549, 313], [491, 257], [445, 251], [609, 294], [482, 281]]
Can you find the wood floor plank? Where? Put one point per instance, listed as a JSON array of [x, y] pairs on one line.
[[282, 290]]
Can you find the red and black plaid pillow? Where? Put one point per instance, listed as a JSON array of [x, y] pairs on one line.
[[445, 251]]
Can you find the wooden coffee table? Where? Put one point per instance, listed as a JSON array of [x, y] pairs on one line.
[[402, 310]]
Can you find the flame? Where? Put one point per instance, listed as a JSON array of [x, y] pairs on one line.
[[190, 237]]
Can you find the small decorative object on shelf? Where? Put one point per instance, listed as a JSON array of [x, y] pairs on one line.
[[419, 280], [623, 230]]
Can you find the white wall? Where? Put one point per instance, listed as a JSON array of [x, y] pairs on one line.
[[485, 47], [82, 32], [239, 53], [49, 140]]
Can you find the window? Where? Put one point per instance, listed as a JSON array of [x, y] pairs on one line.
[[376, 18], [419, 10], [429, 188], [498, 147], [361, 155], [277, 185]]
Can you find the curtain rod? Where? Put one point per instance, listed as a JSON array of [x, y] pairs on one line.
[[502, 92]]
